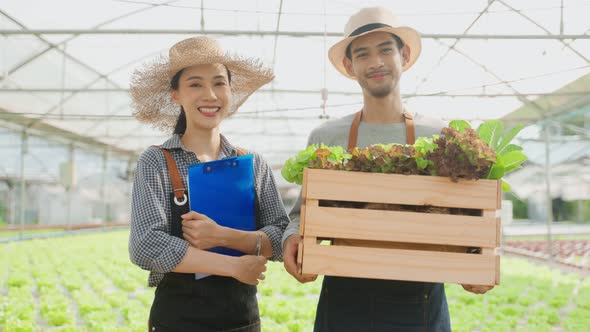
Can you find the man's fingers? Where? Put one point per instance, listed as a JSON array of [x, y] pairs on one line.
[[477, 289], [290, 265]]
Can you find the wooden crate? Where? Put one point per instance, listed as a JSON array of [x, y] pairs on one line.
[[400, 245]]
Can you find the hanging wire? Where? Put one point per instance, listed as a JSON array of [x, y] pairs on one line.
[[63, 80], [202, 15], [405, 14], [324, 90]]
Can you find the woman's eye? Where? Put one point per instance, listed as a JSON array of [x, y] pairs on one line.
[[220, 83], [195, 85]]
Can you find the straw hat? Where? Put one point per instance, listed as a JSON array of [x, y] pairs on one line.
[[150, 83], [369, 20]]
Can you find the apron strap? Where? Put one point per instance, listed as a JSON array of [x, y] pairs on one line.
[[178, 188], [410, 128], [241, 151], [354, 129]]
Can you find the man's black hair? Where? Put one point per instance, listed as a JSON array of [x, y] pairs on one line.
[[399, 42]]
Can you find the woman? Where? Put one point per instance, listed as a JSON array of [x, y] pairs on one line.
[[193, 91]]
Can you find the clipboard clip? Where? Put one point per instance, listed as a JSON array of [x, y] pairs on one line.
[[221, 164]]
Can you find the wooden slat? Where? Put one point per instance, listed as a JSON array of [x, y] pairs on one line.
[[489, 213], [302, 219], [498, 231], [499, 194], [400, 264], [304, 186], [400, 226], [498, 270], [299, 257], [303, 214], [400, 189], [397, 245], [488, 251]]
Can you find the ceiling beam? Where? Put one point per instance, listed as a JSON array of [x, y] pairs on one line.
[[254, 33], [298, 91]]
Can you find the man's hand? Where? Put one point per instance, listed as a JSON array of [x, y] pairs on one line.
[[290, 259], [477, 289], [201, 231]]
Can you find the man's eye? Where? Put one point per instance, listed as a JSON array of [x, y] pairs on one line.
[[220, 83], [387, 50], [362, 55], [195, 85]]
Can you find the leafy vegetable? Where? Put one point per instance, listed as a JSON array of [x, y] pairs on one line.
[[460, 152], [509, 156], [322, 156], [461, 155]]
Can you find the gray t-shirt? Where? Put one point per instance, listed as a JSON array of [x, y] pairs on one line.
[[335, 132]]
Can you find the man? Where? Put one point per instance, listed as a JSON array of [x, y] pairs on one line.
[[375, 53]]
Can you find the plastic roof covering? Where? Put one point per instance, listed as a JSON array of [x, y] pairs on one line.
[[564, 105], [570, 181], [277, 123]]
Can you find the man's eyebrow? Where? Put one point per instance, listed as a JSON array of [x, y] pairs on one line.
[[389, 42], [360, 49], [194, 78]]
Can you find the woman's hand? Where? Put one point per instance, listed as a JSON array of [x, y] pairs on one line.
[[249, 269], [202, 232]]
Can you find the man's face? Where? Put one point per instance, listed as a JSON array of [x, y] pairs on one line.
[[376, 63]]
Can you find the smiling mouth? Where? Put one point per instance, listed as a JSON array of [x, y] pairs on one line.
[[209, 110], [378, 75]]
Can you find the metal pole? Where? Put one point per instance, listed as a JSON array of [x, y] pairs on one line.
[[548, 192], [103, 194], [70, 175], [258, 33], [561, 20], [23, 152]]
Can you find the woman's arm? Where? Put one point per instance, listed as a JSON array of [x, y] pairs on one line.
[[272, 217], [204, 233], [152, 248], [247, 269]]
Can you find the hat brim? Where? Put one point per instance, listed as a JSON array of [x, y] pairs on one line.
[[409, 36], [151, 91]]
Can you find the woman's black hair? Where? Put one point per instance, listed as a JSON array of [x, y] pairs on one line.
[[180, 126]]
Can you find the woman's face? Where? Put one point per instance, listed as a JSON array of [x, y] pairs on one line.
[[204, 93]]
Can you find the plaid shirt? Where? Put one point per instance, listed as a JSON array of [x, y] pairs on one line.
[[151, 246]]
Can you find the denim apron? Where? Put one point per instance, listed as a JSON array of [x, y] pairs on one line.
[[210, 304], [366, 305]]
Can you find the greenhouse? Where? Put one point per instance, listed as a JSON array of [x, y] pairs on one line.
[[72, 148]]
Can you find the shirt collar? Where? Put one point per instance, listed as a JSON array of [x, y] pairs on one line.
[[227, 149]]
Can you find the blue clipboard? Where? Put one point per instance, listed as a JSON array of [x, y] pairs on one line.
[[224, 191]]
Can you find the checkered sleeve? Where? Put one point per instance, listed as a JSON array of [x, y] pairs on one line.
[[150, 245], [272, 217]]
